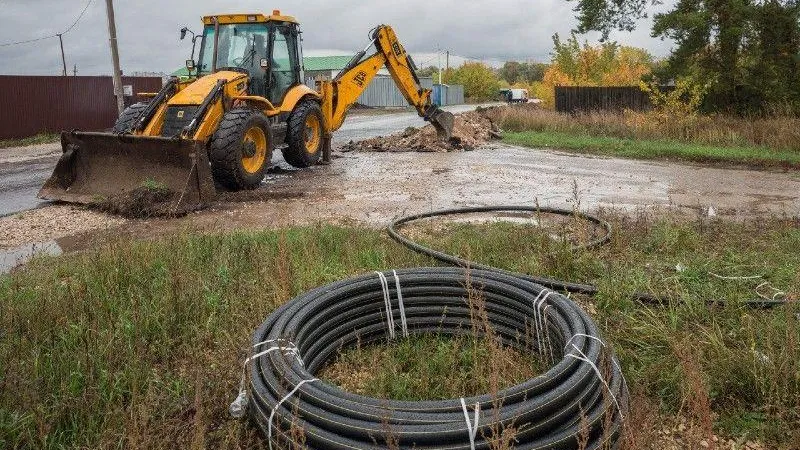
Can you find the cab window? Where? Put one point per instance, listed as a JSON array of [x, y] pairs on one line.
[[284, 66]]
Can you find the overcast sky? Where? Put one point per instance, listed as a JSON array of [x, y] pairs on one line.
[[148, 30]]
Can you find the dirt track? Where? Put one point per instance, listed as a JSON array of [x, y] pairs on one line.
[[374, 187]]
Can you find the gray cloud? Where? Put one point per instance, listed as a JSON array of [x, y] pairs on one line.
[[148, 30]]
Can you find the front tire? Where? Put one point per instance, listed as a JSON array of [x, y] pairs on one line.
[[241, 148], [304, 135], [127, 119]]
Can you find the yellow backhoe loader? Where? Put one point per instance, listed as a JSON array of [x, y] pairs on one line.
[[245, 97]]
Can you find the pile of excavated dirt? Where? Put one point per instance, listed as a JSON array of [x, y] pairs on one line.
[[470, 130], [140, 203]]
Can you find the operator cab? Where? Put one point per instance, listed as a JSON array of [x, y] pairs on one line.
[[266, 48]]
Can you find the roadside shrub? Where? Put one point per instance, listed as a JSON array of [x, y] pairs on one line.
[[479, 80]]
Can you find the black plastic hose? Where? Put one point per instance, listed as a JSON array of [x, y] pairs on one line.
[[461, 262], [567, 286], [583, 390]]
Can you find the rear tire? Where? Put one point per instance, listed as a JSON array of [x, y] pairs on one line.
[[127, 119], [241, 148], [304, 135]]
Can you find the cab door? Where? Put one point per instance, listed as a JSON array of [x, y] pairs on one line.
[[284, 68]]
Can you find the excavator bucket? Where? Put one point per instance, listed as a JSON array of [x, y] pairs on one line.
[[98, 167], [442, 121]]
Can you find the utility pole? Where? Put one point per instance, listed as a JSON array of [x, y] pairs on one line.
[[439, 63], [75, 70], [63, 59], [447, 61], [112, 39]]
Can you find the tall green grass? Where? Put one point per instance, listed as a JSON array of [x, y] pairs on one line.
[[42, 138], [767, 141], [654, 149], [776, 131], [140, 345]]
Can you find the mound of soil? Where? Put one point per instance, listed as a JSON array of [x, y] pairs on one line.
[[141, 203], [470, 130]]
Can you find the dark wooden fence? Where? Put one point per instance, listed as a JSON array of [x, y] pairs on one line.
[[36, 104], [589, 98]]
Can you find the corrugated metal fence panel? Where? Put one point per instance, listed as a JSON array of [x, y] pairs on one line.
[[613, 98], [37, 104], [455, 94], [439, 94], [382, 92]]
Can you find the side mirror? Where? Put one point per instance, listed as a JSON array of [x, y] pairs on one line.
[[183, 33], [264, 63], [190, 64]]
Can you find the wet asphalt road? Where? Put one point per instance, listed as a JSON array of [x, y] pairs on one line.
[[21, 178], [20, 181]]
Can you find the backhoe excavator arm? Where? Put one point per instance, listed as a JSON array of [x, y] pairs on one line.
[[339, 95]]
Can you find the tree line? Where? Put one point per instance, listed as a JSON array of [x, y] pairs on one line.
[[573, 63], [745, 54], [742, 56]]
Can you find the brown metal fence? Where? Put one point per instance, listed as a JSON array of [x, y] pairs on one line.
[[614, 98], [36, 104]]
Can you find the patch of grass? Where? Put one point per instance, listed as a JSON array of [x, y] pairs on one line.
[[452, 367], [153, 185], [42, 138], [140, 344], [655, 149]]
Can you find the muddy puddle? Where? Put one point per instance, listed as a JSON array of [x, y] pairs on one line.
[[15, 257]]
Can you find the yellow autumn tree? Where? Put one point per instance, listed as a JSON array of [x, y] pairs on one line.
[[576, 64]]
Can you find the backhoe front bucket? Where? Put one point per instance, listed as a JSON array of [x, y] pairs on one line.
[[98, 167], [442, 121]]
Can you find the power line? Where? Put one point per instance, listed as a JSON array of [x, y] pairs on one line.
[[27, 41], [79, 17]]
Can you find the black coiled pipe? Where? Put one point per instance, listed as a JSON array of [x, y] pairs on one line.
[[446, 258], [292, 407], [578, 288]]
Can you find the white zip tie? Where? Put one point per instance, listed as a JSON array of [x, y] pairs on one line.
[[403, 323], [536, 319], [585, 359], [569, 341], [238, 407], [734, 278], [613, 360], [547, 334], [271, 340], [776, 292], [472, 428], [537, 316], [387, 303], [277, 405]]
